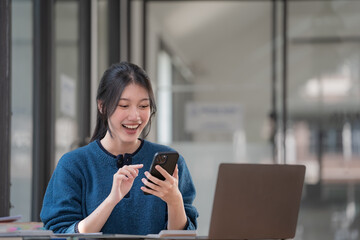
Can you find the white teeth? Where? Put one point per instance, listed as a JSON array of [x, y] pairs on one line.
[[131, 126]]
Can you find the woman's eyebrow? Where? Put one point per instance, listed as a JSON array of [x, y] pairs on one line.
[[126, 99]]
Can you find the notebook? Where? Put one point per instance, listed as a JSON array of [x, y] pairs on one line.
[[256, 201]]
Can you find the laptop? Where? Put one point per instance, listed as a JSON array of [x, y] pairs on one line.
[[256, 201]]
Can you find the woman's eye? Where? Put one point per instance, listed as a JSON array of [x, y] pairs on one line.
[[144, 106], [123, 106]]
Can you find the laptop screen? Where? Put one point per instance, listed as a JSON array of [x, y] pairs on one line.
[[256, 201]]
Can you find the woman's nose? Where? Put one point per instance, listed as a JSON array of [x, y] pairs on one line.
[[134, 114]]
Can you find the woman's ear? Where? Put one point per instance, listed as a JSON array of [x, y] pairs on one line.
[[100, 106]]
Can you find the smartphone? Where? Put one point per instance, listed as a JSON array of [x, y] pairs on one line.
[[167, 160]]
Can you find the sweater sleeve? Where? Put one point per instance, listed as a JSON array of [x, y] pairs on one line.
[[187, 189], [62, 210]]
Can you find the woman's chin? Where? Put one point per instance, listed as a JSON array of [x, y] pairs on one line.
[[129, 138]]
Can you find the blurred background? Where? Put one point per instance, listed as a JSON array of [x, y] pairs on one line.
[[235, 81]]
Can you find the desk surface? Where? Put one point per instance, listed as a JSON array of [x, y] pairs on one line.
[[14, 236], [91, 236]]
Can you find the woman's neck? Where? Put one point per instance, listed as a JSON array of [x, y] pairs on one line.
[[116, 147]]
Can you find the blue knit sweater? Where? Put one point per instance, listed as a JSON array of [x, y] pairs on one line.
[[83, 179]]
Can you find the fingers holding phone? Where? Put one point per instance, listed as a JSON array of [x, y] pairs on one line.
[[154, 182], [166, 174], [166, 189], [162, 179]]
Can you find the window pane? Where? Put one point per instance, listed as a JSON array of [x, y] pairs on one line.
[[324, 118], [102, 37], [220, 87], [21, 120], [67, 76]]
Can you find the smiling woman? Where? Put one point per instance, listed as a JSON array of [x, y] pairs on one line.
[[96, 188], [111, 95], [130, 116]]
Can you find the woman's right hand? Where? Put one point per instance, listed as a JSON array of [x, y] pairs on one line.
[[122, 182]]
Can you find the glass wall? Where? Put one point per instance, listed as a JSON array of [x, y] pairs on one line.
[[21, 98], [66, 75], [324, 116], [217, 58], [213, 85]]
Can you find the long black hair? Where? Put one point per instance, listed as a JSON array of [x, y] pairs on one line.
[[112, 85]]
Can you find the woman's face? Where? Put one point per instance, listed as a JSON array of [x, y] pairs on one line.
[[131, 114]]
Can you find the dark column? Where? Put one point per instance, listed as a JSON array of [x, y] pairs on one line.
[[144, 37], [43, 102], [125, 30], [84, 72], [5, 109], [119, 30], [273, 114], [114, 31], [284, 78], [128, 30]]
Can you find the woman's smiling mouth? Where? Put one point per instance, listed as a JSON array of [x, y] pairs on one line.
[[131, 127]]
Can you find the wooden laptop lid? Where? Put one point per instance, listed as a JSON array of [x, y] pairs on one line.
[[256, 201]]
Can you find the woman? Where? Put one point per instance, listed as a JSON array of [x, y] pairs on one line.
[[100, 187]]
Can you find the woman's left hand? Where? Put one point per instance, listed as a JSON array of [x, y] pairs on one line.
[[167, 190]]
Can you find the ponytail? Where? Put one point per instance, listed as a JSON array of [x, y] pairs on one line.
[[100, 129]]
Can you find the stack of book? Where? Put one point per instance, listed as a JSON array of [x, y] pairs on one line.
[[10, 227]]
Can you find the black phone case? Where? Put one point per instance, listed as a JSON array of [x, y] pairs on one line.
[[168, 164]]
